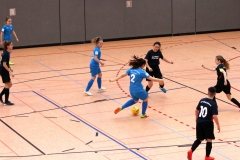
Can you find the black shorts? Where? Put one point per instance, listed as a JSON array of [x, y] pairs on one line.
[[155, 73], [221, 87], [205, 130], [5, 75]]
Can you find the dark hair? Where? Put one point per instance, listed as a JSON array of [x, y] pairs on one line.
[[137, 62], [96, 40], [223, 61], [158, 43], [211, 91], [6, 44], [7, 18]]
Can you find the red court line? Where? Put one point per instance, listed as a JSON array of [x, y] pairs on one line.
[[9, 148]]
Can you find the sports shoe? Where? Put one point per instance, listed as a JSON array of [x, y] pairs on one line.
[[117, 110], [8, 103], [189, 154], [88, 93], [11, 63], [102, 89], [209, 158], [163, 89], [144, 116]]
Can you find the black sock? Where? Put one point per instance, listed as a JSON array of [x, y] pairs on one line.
[[6, 94], [195, 145], [208, 148], [147, 88], [3, 92], [235, 102], [161, 85]]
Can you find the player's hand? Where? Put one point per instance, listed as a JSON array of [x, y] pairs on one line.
[[203, 66], [17, 40], [11, 74], [102, 64], [150, 69], [171, 62], [225, 83], [218, 129], [11, 70]]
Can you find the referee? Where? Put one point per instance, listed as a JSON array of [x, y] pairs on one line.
[[153, 60], [206, 111], [6, 71]]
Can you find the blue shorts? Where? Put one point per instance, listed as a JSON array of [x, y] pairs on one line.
[[136, 95], [95, 70]]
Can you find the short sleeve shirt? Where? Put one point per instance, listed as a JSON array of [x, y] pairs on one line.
[[136, 77], [96, 52], [153, 57], [207, 108], [7, 32]]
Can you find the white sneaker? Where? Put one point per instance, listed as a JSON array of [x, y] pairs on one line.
[[102, 89], [88, 93]]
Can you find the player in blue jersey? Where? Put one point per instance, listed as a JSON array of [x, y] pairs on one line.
[[94, 66], [222, 82], [6, 71], [137, 74], [206, 111], [6, 33]]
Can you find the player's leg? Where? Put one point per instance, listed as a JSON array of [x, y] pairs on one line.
[[219, 89], [208, 149], [227, 91], [127, 104], [94, 73], [8, 85], [143, 95], [197, 142], [209, 136], [158, 74], [99, 81], [150, 83]]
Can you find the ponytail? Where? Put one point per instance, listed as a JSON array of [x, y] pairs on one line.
[[223, 61], [136, 62], [96, 40]]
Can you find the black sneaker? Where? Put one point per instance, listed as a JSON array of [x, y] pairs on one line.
[[8, 103]]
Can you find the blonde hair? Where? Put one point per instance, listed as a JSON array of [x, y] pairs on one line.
[[96, 40]]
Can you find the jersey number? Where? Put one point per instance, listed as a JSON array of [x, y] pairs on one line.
[[203, 112], [132, 78]]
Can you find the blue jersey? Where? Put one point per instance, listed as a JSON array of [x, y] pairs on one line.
[[207, 108], [7, 31], [136, 77], [96, 52]]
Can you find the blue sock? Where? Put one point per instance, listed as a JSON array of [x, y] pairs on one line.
[[99, 82], [89, 85], [128, 103], [144, 107]]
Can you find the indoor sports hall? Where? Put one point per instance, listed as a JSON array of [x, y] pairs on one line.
[[53, 119]]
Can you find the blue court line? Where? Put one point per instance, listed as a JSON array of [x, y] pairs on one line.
[[121, 104], [213, 150], [90, 125]]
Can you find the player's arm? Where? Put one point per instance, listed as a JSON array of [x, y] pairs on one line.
[[196, 114], [155, 79], [7, 68], [1, 36], [98, 60], [15, 35], [215, 117], [210, 69], [118, 77], [224, 75], [164, 59], [147, 65]]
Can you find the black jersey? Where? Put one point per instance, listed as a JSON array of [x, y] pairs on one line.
[[5, 58], [207, 108], [153, 57], [220, 75]]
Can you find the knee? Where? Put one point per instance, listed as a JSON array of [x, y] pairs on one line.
[[93, 78], [145, 100]]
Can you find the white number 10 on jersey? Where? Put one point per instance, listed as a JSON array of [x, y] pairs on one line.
[[203, 112]]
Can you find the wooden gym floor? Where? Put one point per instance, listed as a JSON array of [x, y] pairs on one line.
[[52, 118]]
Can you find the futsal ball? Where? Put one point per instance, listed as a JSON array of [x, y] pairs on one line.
[[135, 110]]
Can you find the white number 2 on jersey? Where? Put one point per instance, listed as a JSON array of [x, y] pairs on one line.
[[132, 77], [203, 112]]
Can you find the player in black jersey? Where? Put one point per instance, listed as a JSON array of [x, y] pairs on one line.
[[153, 60], [206, 111], [222, 82], [6, 71]]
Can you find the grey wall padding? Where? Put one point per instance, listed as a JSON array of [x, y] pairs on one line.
[[72, 21], [217, 15], [183, 16]]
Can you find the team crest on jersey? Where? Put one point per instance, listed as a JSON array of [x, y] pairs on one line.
[[96, 53]]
